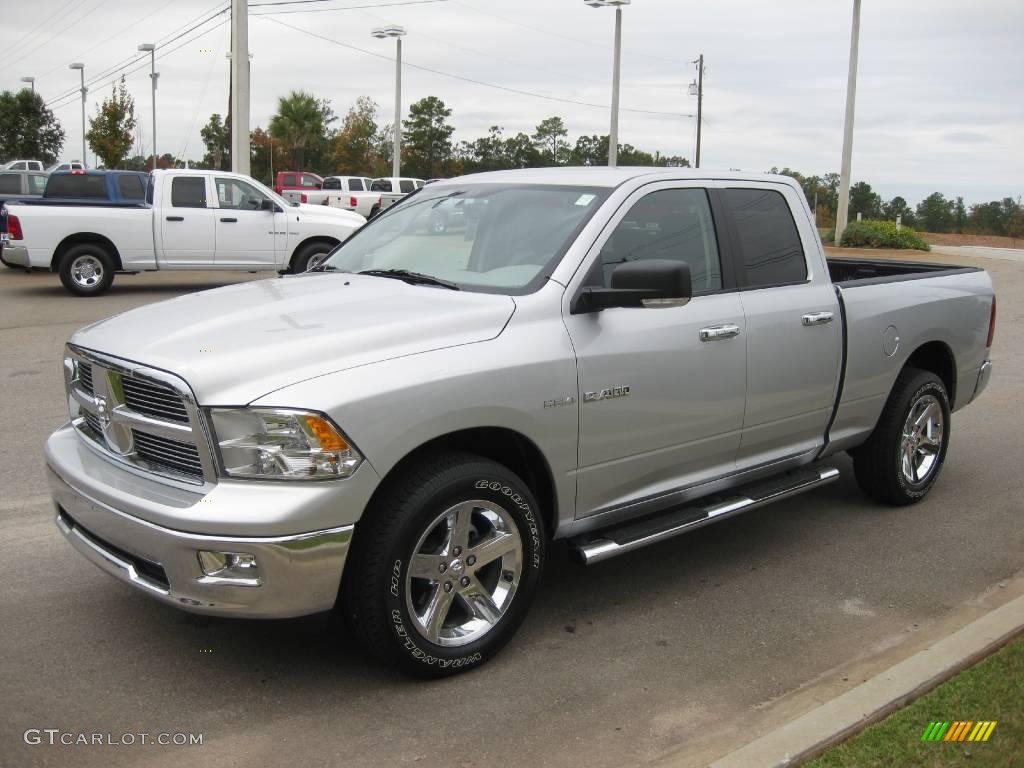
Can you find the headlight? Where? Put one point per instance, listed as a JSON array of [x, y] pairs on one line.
[[279, 444]]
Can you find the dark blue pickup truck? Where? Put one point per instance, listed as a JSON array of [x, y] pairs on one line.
[[78, 187]]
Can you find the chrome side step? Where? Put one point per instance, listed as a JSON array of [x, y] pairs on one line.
[[606, 544]]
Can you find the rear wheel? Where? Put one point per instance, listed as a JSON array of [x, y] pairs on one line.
[[87, 269], [902, 459], [445, 566]]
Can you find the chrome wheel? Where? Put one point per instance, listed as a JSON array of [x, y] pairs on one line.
[[316, 260], [463, 573], [922, 440], [86, 271]]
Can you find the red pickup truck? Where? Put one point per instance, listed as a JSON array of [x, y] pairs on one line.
[[296, 180]]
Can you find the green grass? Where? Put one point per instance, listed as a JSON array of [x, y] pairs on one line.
[[991, 690]]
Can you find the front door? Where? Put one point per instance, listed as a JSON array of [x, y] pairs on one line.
[[661, 389], [246, 227]]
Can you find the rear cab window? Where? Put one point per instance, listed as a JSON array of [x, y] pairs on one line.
[[188, 192], [10, 183], [406, 185], [331, 184], [769, 250], [310, 181], [80, 185], [355, 185], [381, 185], [289, 180]]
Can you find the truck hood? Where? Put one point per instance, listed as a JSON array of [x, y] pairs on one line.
[[326, 213], [238, 343]]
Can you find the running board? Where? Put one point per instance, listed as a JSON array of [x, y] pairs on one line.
[[634, 535]]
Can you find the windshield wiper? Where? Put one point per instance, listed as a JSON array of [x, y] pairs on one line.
[[413, 278]]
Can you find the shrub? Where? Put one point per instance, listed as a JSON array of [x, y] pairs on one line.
[[881, 234]]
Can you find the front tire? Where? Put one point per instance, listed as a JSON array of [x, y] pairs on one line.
[[311, 256], [446, 563], [902, 459], [87, 269]]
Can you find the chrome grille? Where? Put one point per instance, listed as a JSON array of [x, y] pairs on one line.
[[170, 454], [85, 376], [153, 399], [144, 418]]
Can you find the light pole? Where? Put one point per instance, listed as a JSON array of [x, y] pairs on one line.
[[851, 98], [697, 89], [240, 87], [31, 81], [613, 134], [153, 75], [81, 71], [397, 32]]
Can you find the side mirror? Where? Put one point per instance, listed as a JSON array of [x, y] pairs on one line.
[[269, 205], [646, 283]]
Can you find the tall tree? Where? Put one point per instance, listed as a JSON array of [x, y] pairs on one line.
[[301, 122], [591, 150], [28, 129], [865, 201], [486, 153], [355, 144], [549, 138], [935, 213], [216, 136], [898, 206], [261, 165], [519, 152], [110, 131], [428, 138]]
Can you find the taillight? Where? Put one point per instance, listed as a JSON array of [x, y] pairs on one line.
[[14, 228], [77, 172], [991, 325], [303, 198]]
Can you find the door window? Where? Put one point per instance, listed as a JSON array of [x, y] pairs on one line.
[[188, 192], [238, 195], [673, 224], [769, 244]]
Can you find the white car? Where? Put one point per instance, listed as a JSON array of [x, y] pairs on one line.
[[195, 220]]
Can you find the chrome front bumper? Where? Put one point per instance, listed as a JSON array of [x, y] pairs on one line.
[[293, 575]]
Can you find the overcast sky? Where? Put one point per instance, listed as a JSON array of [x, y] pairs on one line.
[[940, 98]]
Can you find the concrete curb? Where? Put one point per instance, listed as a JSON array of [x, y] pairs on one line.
[[824, 727]]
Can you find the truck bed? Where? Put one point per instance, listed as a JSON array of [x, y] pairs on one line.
[[849, 272]]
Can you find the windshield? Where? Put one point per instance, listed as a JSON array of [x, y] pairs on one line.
[[486, 237]]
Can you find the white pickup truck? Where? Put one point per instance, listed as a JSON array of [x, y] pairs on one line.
[[349, 193], [393, 189], [195, 220]]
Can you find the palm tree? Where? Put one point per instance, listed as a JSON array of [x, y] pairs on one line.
[[301, 118]]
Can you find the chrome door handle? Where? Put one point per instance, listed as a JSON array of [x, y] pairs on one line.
[[816, 318], [719, 332]]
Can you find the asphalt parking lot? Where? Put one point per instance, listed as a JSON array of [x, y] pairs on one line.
[[691, 647]]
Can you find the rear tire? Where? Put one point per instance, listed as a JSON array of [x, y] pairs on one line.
[[902, 459], [445, 564], [87, 269]]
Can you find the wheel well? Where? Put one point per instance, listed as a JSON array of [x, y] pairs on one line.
[[506, 447], [937, 358], [331, 241], [78, 239]]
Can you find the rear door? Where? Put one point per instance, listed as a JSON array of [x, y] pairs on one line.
[[246, 229], [794, 331], [661, 389], [186, 223]]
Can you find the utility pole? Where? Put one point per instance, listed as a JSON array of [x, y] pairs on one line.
[[240, 87], [700, 103], [851, 99], [81, 71], [153, 75]]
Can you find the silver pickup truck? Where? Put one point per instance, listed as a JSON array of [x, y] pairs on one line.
[[607, 356]]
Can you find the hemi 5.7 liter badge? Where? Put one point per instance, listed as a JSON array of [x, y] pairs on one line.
[[605, 394]]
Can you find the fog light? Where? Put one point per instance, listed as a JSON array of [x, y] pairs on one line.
[[238, 568]]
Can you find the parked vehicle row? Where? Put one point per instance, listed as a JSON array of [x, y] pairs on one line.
[[37, 165], [611, 357], [346, 192], [186, 220]]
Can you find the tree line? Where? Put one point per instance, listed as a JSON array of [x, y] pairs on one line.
[[936, 213], [306, 134]]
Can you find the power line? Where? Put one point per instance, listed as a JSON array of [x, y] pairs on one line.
[[139, 58], [342, 8], [590, 43], [20, 46], [507, 89]]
